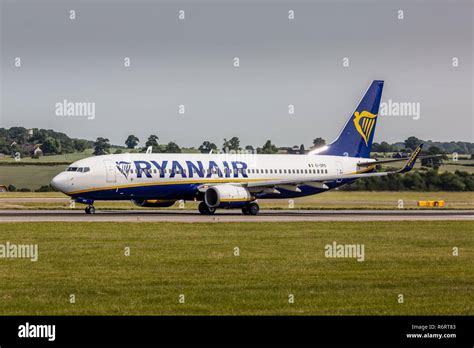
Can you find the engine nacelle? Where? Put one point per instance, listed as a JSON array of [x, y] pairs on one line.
[[155, 203], [227, 196]]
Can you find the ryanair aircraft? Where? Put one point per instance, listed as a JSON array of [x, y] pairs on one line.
[[231, 180]]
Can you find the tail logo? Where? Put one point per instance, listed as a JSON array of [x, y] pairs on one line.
[[364, 123]]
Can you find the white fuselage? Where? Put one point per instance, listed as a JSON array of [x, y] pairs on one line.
[[178, 176]]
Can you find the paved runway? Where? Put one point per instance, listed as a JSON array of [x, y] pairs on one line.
[[233, 215]]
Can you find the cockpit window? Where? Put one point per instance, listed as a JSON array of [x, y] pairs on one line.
[[78, 169]]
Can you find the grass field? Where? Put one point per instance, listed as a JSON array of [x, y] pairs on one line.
[[327, 200], [69, 157], [32, 177], [276, 259]]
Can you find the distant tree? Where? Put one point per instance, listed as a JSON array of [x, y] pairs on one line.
[[318, 142], [207, 146], [451, 182], [232, 144], [131, 141], [51, 146], [269, 148], [375, 147], [249, 148], [153, 142], [118, 151], [412, 143], [302, 151], [384, 147], [101, 146], [80, 145], [172, 148], [434, 162]]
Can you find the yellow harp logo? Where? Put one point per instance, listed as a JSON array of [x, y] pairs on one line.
[[364, 123]]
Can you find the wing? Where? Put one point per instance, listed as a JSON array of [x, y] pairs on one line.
[[376, 162], [319, 181]]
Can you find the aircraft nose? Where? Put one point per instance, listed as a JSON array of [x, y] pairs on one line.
[[59, 182]]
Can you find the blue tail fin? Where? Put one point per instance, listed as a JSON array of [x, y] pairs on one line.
[[355, 140]]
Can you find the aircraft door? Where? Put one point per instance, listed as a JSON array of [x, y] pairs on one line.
[[110, 172], [339, 170]]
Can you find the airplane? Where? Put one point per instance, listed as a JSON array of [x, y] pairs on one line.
[[232, 181]]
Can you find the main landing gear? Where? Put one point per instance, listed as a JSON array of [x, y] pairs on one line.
[[251, 209], [90, 209], [204, 209]]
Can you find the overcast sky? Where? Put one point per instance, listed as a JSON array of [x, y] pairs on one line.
[[190, 62]]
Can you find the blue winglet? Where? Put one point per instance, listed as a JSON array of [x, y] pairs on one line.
[[411, 161]]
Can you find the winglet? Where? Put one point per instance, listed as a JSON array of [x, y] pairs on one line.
[[411, 161]]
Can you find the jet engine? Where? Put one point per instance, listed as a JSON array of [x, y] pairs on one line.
[[227, 196], [153, 203]]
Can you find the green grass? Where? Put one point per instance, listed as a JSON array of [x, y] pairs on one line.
[[69, 157], [276, 259], [32, 177]]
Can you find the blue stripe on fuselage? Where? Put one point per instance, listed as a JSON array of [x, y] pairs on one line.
[[189, 192]]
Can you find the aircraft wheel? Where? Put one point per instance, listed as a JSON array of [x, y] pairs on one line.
[[202, 207], [205, 210], [90, 209], [253, 208]]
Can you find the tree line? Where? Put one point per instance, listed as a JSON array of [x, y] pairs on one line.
[[26, 141], [419, 180]]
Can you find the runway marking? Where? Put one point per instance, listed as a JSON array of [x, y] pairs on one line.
[[233, 215]]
